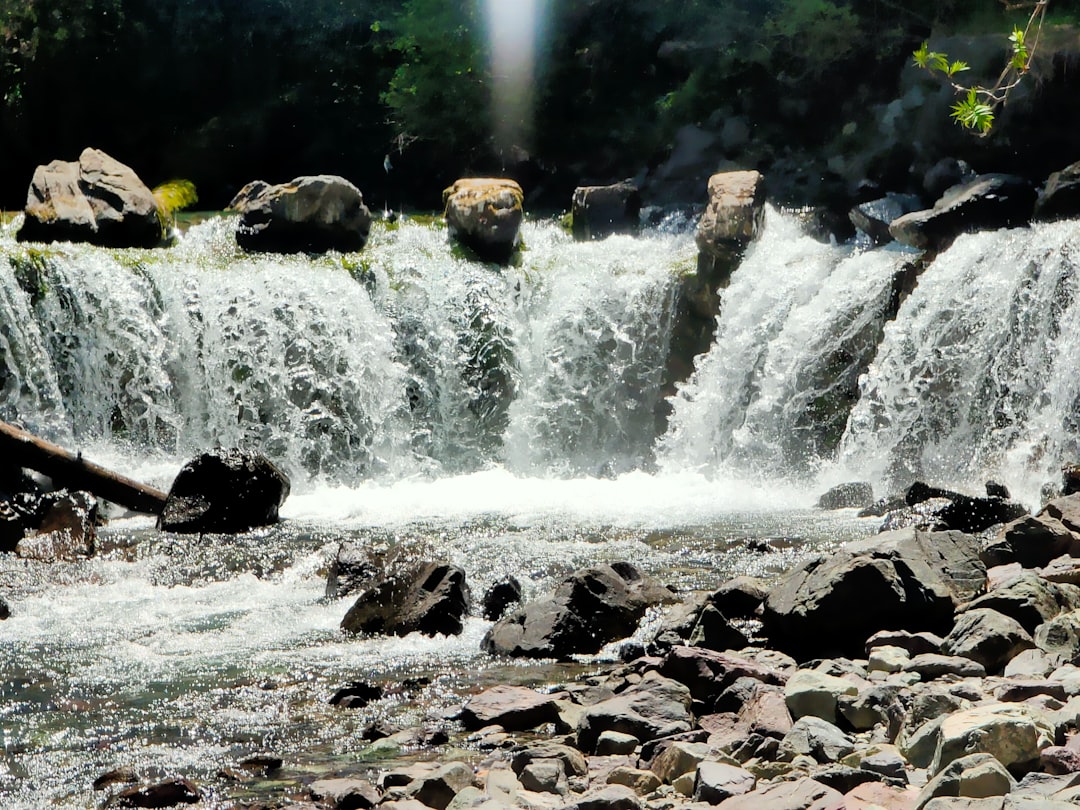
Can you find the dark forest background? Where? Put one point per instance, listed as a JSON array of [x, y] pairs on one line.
[[226, 91]]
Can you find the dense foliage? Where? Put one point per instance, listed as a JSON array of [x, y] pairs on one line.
[[226, 91]]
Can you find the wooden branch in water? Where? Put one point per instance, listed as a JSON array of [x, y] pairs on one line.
[[22, 449]]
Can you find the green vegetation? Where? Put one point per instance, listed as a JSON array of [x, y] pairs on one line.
[[171, 198], [977, 103]]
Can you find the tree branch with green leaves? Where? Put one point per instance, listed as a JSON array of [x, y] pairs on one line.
[[977, 105]]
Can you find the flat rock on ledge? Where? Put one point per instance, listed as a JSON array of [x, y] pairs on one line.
[[484, 214]]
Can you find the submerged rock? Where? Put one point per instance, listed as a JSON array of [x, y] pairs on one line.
[[600, 211], [162, 794], [734, 216], [484, 214], [96, 199], [65, 529], [428, 597], [853, 495], [5, 611], [311, 214], [499, 597], [224, 491], [590, 608]]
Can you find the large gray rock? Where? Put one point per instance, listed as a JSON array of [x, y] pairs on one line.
[[707, 673], [989, 201], [1013, 733], [1060, 196], [913, 579], [96, 199], [311, 214], [1035, 540], [987, 637], [716, 781], [515, 708], [590, 608], [484, 214], [1061, 636], [599, 211], [817, 738], [1029, 599], [654, 707], [225, 490], [798, 794], [428, 597], [976, 776]]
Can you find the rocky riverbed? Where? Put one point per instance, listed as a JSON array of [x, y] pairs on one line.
[[951, 681]]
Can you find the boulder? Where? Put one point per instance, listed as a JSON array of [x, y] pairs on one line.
[[987, 637], [810, 693], [438, 788], [734, 216], [976, 776], [96, 199], [66, 528], [987, 202], [797, 794], [425, 597], [161, 794], [1029, 599], [353, 568], [963, 513], [707, 673], [853, 495], [714, 632], [740, 597], [654, 707], [1033, 540], [345, 792], [1060, 196], [225, 490], [311, 214], [499, 597], [817, 738], [589, 609], [599, 211], [1061, 636], [1013, 733], [573, 761], [873, 219], [515, 708], [679, 758], [913, 580], [929, 666], [716, 781], [484, 214]]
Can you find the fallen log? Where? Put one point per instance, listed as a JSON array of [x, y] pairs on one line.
[[22, 449]]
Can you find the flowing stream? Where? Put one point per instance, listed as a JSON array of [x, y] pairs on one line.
[[514, 421]]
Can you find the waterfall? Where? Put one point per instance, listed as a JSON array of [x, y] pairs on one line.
[[799, 322], [406, 358], [975, 378]]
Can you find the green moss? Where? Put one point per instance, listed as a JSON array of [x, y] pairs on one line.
[[31, 268]]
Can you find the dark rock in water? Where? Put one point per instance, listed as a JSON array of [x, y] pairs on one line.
[[854, 495], [960, 512], [912, 579], [600, 211], [96, 199], [499, 597], [311, 214], [66, 528], [353, 569], [1070, 479], [162, 794], [873, 218], [429, 598], [224, 491], [484, 214], [714, 632], [247, 195], [117, 776], [12, 526], [356, 695], [882, 506], [996, 490], [5, 611], [590, 608], [989, 201], [1035, 540], [740, 597], [1060, 196]]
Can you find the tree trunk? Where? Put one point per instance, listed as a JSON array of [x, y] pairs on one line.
[[22, 449]]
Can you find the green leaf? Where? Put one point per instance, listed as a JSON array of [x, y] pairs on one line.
[[958, 67], [972, 113], [921, 57], [939, 61]]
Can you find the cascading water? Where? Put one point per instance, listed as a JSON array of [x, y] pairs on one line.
[[799, 322], [506, 418], [974, 378]]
